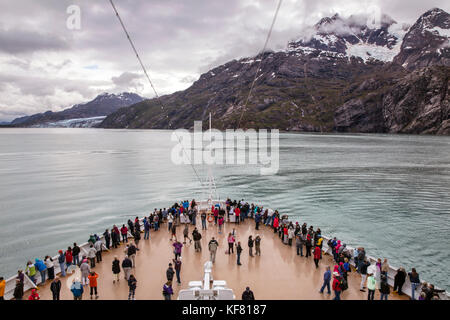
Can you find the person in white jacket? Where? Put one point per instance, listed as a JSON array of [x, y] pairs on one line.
[[85, 270], [98, 249], [291, 233], [91, 255]]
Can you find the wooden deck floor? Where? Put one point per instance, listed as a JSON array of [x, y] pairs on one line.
[[278, 274]]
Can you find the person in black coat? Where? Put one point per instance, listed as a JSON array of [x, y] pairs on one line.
[[170, 272], [55, 288], [18, 290], [116, 269], [107, 236], [131, 226], [399, 280], [248, 294]]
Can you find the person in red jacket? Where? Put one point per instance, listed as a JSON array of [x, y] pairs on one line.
[[237, 212], [337, 286], [317, 256], [34, 295], [124, 233], [69, 258], [276, 224], [216, 215]]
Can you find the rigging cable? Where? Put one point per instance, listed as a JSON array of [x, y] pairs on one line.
[[151, 84], [260, 61]]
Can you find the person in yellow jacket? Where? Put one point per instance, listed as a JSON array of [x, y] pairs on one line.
[[31, 271], [2, 288]]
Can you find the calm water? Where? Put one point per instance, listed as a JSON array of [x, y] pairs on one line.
[[387, 193]]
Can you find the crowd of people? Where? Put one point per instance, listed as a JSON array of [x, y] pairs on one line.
[[308, 243]]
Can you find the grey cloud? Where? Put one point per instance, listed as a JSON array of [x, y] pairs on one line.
[[128, 81], [177, 40], [25, 41]]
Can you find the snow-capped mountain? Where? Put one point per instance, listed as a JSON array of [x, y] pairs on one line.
[[103, 105], [353, 36], [343, 74], [427, 41]]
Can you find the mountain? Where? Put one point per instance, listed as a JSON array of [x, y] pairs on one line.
[[343, 74], [427, 41], [102, 105]]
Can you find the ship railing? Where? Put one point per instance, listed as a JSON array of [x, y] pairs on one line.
[[29, 284], [205, 205], [406, 289]]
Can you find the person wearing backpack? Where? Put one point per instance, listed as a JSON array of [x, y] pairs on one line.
[[337, 286]]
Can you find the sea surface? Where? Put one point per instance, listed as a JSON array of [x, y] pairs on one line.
[[388, 193]]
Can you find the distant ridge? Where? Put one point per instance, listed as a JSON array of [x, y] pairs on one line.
[[103, 105]]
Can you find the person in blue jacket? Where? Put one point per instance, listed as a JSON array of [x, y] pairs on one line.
[[77, 290], [326, 280], [41, 267], [147, 226], [257, 220]]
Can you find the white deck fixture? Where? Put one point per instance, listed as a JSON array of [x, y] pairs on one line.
[[208, 289]]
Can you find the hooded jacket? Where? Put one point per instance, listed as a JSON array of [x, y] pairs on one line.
[[317, 253], [77, 289], [34, 295], [40, 265], [31, 270], [371, 283]]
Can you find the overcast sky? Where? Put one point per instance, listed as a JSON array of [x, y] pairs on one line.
[[46, 66]]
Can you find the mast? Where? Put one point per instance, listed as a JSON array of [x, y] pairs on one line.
[[210, 178]]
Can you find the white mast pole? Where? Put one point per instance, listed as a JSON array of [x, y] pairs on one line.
[[209, 165]]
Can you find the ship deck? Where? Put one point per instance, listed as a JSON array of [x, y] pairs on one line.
[[278, 274]]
